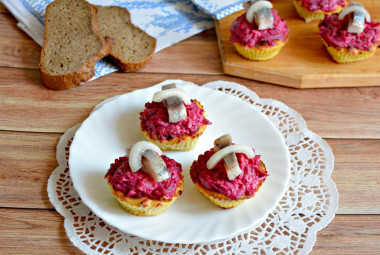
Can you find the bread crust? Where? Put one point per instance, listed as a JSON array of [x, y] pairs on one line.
[[131, 67], [86, 72], [123, 65]]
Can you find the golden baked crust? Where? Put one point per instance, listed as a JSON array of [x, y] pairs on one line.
[[222, 200], [262, 52], [345, 55], [145, 206], [184, 143], [313, 15]]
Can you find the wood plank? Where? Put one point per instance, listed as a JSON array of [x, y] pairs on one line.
[[198, 54], [296, 65], [343, 113], [3, 9], [33, 232], [349, 234], [27, 160], [10, 30], [356, 174], [16, 48], [42, 232]]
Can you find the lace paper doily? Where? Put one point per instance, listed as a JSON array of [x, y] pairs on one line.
[[308, 205]]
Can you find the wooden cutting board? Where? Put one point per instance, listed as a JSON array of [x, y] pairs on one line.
[[304, 61]]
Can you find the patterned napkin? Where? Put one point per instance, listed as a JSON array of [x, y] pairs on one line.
[[220, 8], [169, 21]]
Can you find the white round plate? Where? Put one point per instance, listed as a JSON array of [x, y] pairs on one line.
[[106, 133]]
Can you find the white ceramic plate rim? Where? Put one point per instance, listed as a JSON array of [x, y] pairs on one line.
[[105, 134]]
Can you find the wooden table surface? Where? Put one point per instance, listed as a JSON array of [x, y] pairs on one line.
[[32, 119]]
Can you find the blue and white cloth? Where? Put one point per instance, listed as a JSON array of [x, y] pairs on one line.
[[219, 9], [169, 21]]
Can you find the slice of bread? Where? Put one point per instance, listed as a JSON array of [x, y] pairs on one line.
[[72, 44], [133, 47]]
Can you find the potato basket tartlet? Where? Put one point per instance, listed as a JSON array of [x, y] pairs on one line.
[[173, 121], [228, 174], [145, 182]]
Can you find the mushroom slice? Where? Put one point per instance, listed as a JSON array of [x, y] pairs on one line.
[[174, 105], [154, 165], [160, 96], [235, 148], [230, 161], [356, 21], [137, 151], [260, 11]]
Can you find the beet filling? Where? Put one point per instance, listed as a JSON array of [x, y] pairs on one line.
[[246, 32], [216, 179], [155, 120], [141, 184], [323, 5], [334, 32]]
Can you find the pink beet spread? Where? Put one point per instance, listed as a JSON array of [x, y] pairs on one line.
[[334, 32], [141, 184], [155, 120], [216, 179], [323, 5], [246, 33]]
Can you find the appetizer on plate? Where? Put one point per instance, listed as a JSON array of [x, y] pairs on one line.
[[173, 121], [350, 35], [228, 174], [145, 182], [311, 10], [259, 33]]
